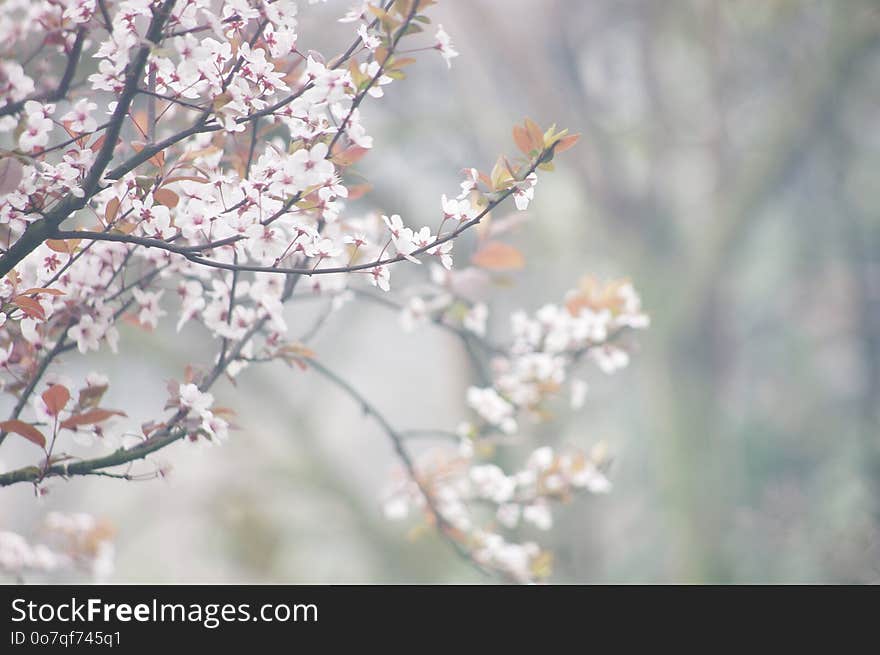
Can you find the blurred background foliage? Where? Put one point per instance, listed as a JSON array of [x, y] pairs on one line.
[[729, 166]]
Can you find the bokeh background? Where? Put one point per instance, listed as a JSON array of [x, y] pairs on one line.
[[729, 166]]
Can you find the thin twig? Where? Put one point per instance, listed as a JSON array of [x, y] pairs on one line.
[[445, 528], [63, 85]]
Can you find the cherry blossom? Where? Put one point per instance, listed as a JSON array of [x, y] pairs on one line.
[[194, 400], [80, 117], [150, 312], [311, 166], [380, 276], [86, 334], [444, 45], [459, 209], [370, 41], [524, 192], [75, 542], [38, 127], [14, 83]]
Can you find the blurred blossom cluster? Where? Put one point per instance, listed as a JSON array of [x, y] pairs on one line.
[[533, 369], [73, 542]]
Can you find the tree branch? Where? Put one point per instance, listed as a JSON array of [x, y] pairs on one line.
[[166, 436], [363, 93], [63, 85], [35, 380], [40, 230], [191, 252], [446, 529]]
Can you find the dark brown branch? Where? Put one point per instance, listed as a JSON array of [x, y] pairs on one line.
[[173, 432], [108, 22], [166, 436], [154, 148], [38, 231], [160, 439], [171, 99], [200, 126], [63, 85], [119, 237], [35, 380], [67, 142], [149, 151]]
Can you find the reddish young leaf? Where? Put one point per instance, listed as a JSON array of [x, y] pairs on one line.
[[66, 246], [125, 227], [66, 125], [535, 134], [497, 256], [141, 121], [566, 142], [112, 209], [51, 292], [349, 156], [166, 197], [90, 417], [521, 138], [158, 160], [296, 349], [30, 307], [358, 190], [99, 143], [134, 321], [56, 398], [380, 55], [26, 430], [90, 396]]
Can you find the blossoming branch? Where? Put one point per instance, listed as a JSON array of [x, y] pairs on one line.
[[201, 175]]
